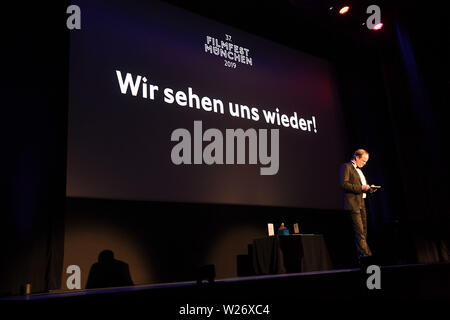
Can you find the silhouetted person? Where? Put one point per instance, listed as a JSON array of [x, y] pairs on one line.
[[108, 272]]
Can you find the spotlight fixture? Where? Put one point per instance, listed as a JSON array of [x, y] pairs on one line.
[[378, 26], [344, 10]]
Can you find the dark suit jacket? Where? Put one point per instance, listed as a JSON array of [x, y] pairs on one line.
[[352, 186]]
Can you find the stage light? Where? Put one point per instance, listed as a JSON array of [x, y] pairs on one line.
[[378, 26], [344, 10]]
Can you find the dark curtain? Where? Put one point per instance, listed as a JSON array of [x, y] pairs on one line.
[[395, 93], [34, 112], [416, 69]]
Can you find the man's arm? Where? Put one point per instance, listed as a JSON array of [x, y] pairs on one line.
[[345, 180]]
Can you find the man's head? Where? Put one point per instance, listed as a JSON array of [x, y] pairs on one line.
[[361, 157]]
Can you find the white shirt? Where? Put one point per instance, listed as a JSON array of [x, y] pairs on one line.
[[361, 176]]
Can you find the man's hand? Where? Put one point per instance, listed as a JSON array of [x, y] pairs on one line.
[[366, 187], [372, 190]]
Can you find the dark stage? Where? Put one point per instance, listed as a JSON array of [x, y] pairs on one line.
[[288, 293]]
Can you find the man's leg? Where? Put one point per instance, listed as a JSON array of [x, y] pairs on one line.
[[360, 237], [364, 222]]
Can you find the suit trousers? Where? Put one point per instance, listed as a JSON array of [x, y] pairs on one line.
[[360, 231]]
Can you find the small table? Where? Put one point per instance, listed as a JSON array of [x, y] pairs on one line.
[[290, 254]]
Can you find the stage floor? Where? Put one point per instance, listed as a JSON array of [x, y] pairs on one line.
[[417, 281]]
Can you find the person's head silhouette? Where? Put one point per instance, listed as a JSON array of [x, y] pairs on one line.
[[105, 256], [108, 272]]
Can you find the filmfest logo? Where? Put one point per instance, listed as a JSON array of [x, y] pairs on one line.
[[231, 53]]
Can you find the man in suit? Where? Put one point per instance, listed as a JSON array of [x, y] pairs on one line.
[[356, 189]]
